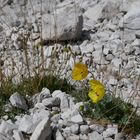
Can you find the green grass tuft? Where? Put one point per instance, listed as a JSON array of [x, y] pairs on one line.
[[114, 110]]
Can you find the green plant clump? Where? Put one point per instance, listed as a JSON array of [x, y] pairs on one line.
[[114, 110], [33, 85]]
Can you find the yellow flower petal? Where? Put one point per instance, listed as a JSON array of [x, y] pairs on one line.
[[80, 71], [97, 91]]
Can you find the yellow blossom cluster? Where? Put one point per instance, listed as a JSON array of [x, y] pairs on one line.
[[97, 89]]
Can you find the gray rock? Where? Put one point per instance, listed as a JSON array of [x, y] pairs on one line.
[[56, 109], [108, 138], [137, 34], [39, 115], [75, 49], [40, 106], [69, 113], [84, 129], [112, 81], [106, 9], [8, 107], [48, 51], [17, 135], [45, 4], [83, 137], [54, 28], [77, 119], [130, 64], [26, 124], [104, 36], [119, 136], [18, 101], [97, 127], [64, 104], [89, 48], [7, 128], [45, 93], [111, 8], [112, 27], [66, 131], [109, 57], [57, 93], [74, 128], [129, 34], [55, 118], [99, 58], [137, 50], [95, 135], [37, 98], [136, 43], [132, 19], [5, 117], [58, 136], [138, 137], [42, 131], [51, 102], [110, 131], [125, 7], [116, 63], [95, 12], [5, 137], [73, 137], [106, 50]]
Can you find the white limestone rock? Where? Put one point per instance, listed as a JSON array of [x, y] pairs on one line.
[[66, 131], [18, 101], [109, 57], [110, 8], [119, 136], [59, 136], [26, 124], [73, 137], [5, 137], [8, 107], [99, 58], [51, 102], [7, 128], [137, 34], [105, 9], [96, 127], [95, 135], [77, 119], [54, 28], [39, 115], [132, 19], [84, 129], [42, 131], [17, 135], [64, 99], [136, 43], [39, 106], [55, 118], [74, 128], [83, 137], [45, 93], [69, 113], [110, 131], [94, 13], [37, 98], [89, 48]]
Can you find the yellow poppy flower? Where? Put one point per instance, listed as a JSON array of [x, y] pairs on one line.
[[97, 91], [80, 71]]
